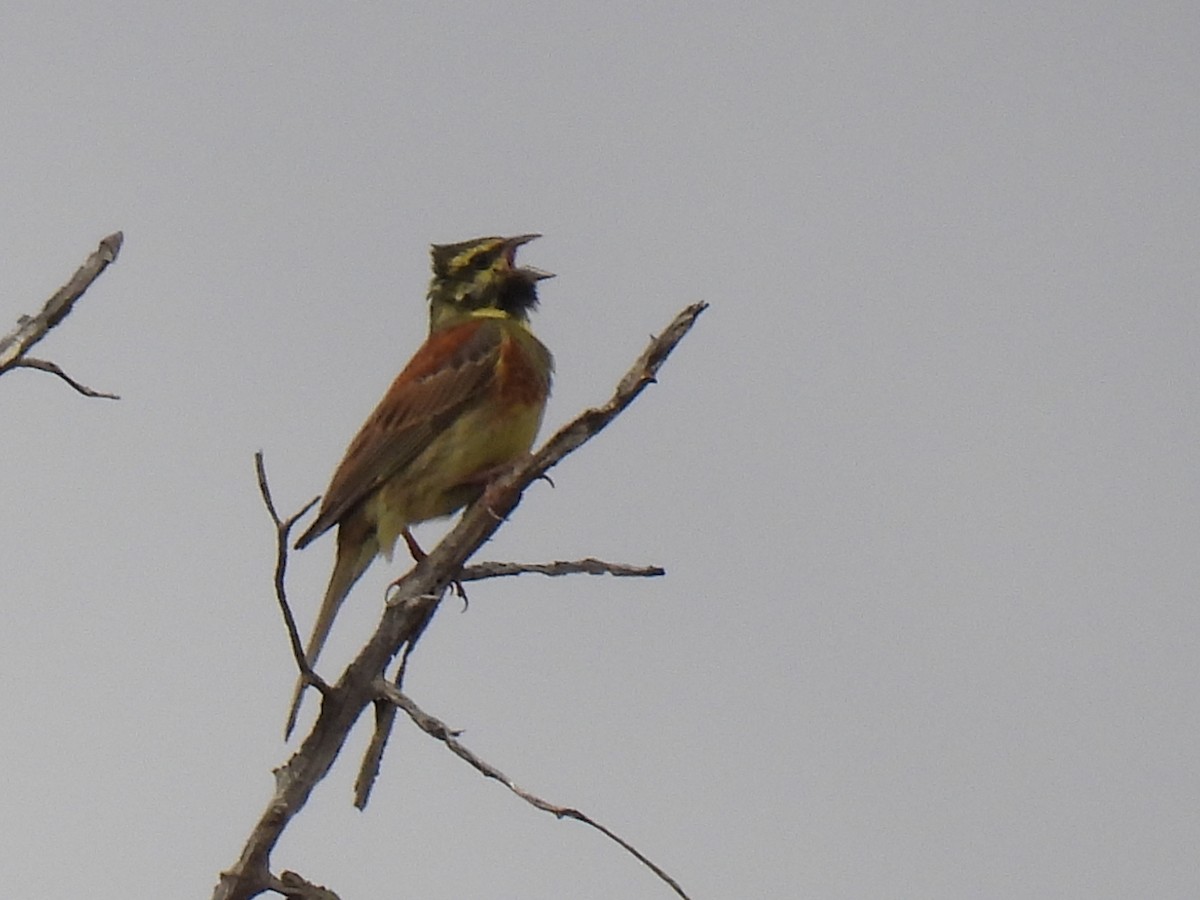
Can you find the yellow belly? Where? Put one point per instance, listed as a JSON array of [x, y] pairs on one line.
[[451, 472]]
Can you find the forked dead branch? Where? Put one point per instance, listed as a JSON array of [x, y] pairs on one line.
[[364, 683], [15, 346]]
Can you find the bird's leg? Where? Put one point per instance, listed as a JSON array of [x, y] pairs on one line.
[[419, 556], [413, 547]]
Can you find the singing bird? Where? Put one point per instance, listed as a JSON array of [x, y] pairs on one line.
[[467, 405]]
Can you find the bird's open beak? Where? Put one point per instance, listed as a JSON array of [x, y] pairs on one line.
[[530, 272], [515, 242]]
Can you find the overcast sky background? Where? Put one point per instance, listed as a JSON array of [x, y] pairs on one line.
[[924, 477]]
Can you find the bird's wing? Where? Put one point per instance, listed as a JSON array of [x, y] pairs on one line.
[[449, 372]]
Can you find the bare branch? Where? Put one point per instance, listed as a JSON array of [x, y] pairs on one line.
[[643, 372], [31, 329], [480, 571], [385, 717], [292, 886], [29, 362], [438, 729], [417, 596], [385, 713], [372, 760], [282, 530]]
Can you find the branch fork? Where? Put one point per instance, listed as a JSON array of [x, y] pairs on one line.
[[15, 346]]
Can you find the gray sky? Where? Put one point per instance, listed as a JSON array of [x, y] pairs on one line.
[[924, 477]]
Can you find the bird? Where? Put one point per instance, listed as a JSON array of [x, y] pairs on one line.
[[466, 407]]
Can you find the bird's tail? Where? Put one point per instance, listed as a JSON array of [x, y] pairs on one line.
[[353, 558]]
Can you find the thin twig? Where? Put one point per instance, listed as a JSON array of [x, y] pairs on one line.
[[372, 760], [29, 362], [438, 729], [385, 717], [283, 527]]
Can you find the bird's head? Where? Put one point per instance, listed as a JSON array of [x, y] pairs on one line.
[[480, 276]]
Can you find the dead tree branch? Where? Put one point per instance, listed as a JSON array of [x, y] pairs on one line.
[[480, 571], [385, 713], [436, 728], [28, 362], [30, 329], [417, 595], [283, 528]]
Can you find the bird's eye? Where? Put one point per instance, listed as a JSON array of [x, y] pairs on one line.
[[481, 262]]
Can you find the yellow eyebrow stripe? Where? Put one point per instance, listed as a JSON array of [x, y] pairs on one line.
[[463, 260]]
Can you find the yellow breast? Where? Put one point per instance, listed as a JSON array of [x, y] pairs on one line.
[[492, 433]]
